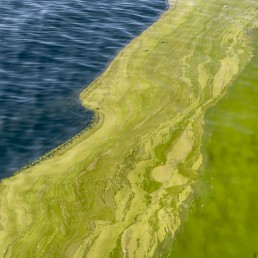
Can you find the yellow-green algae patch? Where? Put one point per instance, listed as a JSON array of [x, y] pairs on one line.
[[222, 221], [119, 188]]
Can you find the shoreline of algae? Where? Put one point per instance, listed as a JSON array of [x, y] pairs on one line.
[[118, 189]]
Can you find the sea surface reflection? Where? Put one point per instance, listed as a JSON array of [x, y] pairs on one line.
[[49, 51]]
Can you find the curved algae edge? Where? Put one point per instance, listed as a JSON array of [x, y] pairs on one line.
[[129, 234], [96, 116]]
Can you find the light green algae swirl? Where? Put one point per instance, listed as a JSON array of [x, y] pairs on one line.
[[222, 221], [118, 189]]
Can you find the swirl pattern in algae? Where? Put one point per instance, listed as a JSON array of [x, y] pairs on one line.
[[222, 221], [118, 189]]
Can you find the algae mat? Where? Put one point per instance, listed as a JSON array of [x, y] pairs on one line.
[[223, 220], [119, 189]]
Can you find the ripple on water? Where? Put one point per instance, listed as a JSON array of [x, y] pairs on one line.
[[49, 51]]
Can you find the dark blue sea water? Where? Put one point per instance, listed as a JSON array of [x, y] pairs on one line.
[[49, 52]]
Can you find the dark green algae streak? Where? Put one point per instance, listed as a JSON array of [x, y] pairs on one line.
[[223, 220]]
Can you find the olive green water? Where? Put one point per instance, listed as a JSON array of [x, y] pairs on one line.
[[224, 221]]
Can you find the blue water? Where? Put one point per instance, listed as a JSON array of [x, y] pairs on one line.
[[49, 52]]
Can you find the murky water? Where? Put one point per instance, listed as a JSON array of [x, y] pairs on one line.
[[49, 52], [223, 219]]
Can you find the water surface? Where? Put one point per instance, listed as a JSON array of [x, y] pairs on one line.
[[49, 51], [223, 219]]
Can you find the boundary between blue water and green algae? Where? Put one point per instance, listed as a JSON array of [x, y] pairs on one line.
[[118, 190]]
